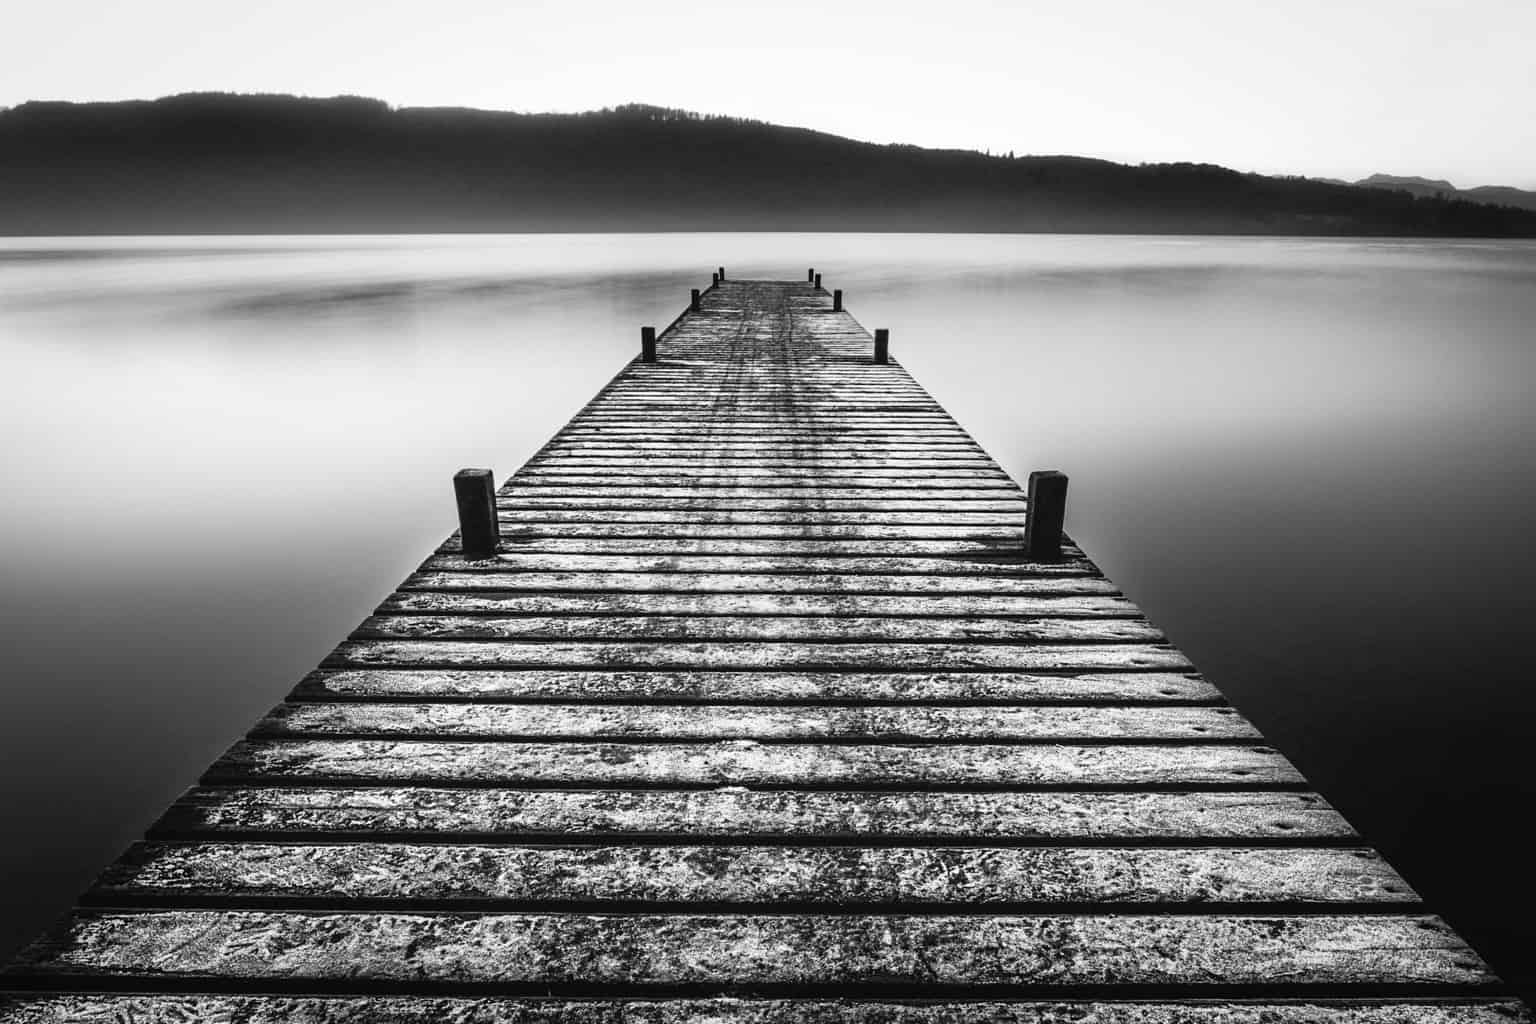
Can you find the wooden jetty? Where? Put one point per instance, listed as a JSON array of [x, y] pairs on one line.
[[746, 700]]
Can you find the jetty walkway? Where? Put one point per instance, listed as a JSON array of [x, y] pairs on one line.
[[757, 711]]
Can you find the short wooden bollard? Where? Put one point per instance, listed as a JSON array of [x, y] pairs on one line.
[[816, 280], [721, 273], [1046, 514], [810, 275], [647, 344], [837, 301], [882, 345], [714, 280], [475, 492], [693, 300]]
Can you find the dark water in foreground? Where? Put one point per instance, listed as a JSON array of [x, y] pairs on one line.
[[1312, 462]]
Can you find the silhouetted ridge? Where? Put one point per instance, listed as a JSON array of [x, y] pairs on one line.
[[215, 162]]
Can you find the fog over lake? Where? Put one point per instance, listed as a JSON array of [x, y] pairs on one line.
[[1313, 462]]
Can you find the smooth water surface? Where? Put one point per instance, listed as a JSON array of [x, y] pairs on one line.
[[1311, 462]]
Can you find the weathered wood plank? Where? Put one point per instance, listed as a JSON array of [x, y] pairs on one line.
[[681, 463], [955, 519], [675, 604], [491, 578], [745, 874], [916, 657], [784, 564], [829, 483], [746, 763], [727, 722], [1001, 545], [604, 457], [716, 628], [988, 533], [809, 431], [771, 687], [632, 950], [830, 448], [719, 504], [741, 814], [113, 1008]]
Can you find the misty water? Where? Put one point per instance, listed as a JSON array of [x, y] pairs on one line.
[[1310, 461]]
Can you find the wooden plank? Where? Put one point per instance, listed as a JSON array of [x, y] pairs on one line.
[[732, 722], [533, 500], [746, 763], [484, 602], [790, 950], [121, 1008], [954, 519], [999, 546], [744, 655], [831, 449], [785, 564], [681, 581], [769, 687], [831, 483], [715, 470], [987, 534], [605, 456], [838, 875], [717, 628]]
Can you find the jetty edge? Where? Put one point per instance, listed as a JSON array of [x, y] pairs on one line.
[[760, 694]]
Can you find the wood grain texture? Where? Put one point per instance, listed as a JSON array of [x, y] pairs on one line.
[[751, 655], [745, 949], [449, 575], [92, 1008], [744, 874], [740, 813], [765, 687], [746, 763], [759, 628], [727, 722], [889, 606], [806, 563]]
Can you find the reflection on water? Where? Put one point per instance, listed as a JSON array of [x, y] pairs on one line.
[[1309, 460]]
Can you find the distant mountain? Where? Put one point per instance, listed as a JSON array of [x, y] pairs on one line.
[[215, 163], [1501, 195], [1418, 186]]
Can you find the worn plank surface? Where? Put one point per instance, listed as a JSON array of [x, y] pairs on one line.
[[837, 875], [773, 951], [762, 815], [268, 1009], [757, 715], [748, 722], [748, 763], [927, 688]]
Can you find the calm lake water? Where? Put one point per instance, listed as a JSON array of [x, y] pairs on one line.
[[1312, 462]]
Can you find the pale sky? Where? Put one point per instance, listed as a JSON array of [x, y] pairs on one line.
[[1437, 88]]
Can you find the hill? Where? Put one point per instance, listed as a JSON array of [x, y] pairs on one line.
[[1498, 195], [217, 163]]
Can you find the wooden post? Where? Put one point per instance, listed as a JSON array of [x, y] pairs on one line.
[[837, 301], [882, 345], [722, 273], [475, 492], [693, 300], [714, 280], [647, 344], [817, 282], [1045, 515], [810, 275]]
